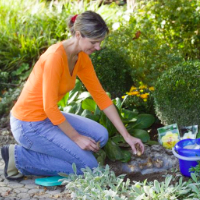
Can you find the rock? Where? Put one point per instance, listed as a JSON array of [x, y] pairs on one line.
[[23, 195], [5, 132], [155, 159]]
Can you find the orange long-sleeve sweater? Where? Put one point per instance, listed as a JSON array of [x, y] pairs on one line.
[[50, 80]]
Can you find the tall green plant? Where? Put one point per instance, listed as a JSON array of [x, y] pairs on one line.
[[28, 28]]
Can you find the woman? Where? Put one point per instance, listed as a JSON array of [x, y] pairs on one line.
[[50, 140]]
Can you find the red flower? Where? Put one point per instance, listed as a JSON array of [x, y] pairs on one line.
[[73, 19], [137, 35]]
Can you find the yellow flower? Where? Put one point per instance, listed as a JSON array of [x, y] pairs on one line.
[[141, 91], [144, 99], [151, 88], [144, 96], [123, 97], [143, 86], [133, 88], [133, 93], [170, 139]]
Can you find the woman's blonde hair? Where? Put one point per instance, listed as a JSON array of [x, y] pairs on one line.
[[90, 25]]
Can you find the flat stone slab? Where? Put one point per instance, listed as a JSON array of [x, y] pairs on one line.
[[155, 159]]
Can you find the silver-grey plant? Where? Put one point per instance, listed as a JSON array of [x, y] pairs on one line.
[[102, 184]]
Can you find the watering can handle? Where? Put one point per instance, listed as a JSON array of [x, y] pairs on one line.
[[194, 158]]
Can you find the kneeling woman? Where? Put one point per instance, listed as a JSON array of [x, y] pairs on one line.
[[49, 140]]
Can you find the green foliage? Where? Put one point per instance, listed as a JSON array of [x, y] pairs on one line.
[[168, 33], [8, 99], [171, 31], [144, 121], [80, 102], [167, 36], [196, 169], [194, 187], [177, 23], [177, 94], [102, 184], [148, 55], [28, 28], [113, 71]]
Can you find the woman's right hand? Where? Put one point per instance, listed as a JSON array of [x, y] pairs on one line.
[[86, 143], [82, 141]]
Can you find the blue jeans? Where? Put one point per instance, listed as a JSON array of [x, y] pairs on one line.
[[44, 150]]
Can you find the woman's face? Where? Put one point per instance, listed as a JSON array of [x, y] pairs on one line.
[[89, 45]]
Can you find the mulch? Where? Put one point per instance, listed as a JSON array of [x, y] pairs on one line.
[[159, 176]]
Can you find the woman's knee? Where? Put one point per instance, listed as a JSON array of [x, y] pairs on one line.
[[87, 159], [92, 163], [103, 136]]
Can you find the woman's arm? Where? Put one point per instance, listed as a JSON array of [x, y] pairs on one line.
[[82, 141], [114, 117]]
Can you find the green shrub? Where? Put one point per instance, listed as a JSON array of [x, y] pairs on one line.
[[8, 100], [177, 94], [148, 55], [169, 35], [175, 22], [113, 71]]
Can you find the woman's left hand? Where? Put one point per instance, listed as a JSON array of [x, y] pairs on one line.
[[132, 141], [112, 114]]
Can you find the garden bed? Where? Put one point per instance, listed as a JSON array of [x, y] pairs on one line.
[[140, 163]]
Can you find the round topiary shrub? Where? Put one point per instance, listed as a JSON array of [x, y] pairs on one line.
[[113, 71], [177, 95]]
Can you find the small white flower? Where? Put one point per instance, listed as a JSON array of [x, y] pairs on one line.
[[110, 193], [119, 13], [126, 18], [115, 26]]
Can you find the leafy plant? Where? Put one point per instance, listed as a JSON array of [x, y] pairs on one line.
[[102, 183], [80, 102], [8, 99], [111, 66], [196, 169], [194, 187]]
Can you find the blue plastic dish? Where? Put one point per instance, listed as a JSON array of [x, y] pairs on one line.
[[49, 181]]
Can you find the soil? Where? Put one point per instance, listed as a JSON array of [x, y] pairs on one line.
[[159, 176], [153, 130]]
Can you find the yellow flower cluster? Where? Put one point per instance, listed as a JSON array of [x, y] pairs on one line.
[[142, 91]]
